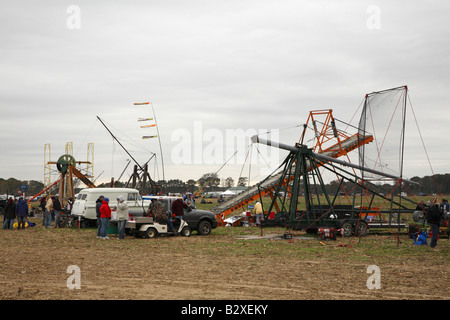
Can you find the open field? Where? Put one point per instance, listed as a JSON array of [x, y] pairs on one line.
[[220, 266]]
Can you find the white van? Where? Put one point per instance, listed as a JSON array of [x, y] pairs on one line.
[[85, 201]]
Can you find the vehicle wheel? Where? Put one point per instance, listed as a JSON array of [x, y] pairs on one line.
[[150, 233], [348, 229], [204, 228], [61, 223], [85, 224], [361, 229], [74, 223], [186, 232]]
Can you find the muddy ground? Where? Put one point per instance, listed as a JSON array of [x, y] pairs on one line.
[[221, 266]]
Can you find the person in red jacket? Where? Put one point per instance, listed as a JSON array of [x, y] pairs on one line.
[[105, 216]]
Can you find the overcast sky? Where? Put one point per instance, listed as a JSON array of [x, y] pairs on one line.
[[207, 67]]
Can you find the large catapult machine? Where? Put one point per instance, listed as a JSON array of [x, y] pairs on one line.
[[67, 172], [297, 190], [301, 176]]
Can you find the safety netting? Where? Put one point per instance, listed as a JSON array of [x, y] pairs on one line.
[[383, 118]]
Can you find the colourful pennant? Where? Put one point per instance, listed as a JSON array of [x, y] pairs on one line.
[[145, 119]]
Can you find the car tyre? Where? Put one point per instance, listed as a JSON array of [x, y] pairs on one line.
[[204, 228], [150, 233], [186, 232], [347, 229], [61, 223], [361, 229]]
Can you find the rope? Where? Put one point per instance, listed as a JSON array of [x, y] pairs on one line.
[[423, 144]]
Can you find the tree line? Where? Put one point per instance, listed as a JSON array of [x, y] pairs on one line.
[[436, 184], [207, 182]]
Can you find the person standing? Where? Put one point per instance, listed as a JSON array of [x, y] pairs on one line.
[[10, 214], [48, 213], [21, 212], [105, 216], [177, 208], [56, 209], [69, 205], [160, 215], [98, 204], [42, 203], [122, 216], [434, 215], [259, 213]]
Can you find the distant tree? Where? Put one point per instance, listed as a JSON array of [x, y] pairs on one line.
[[333, 186], [12, 186], [229, 182], [175, 186], [242, 182], [34, 187], [209, 179], [191, 185]]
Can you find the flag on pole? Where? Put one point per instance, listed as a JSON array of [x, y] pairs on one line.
[[145, 119]]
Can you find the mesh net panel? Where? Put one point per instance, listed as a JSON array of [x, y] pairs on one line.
[[383, 117]]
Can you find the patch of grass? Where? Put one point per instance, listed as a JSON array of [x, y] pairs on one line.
[[227, 242]]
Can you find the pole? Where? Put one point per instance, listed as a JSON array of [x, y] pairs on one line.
[[159, 139], [114, 137], [401, 162]]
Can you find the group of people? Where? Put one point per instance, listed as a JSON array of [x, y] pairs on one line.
[[15, 211], [155, 210], [52, 210], [434, 212], [159, 213], [103, 211]]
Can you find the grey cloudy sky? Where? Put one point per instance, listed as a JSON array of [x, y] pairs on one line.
[[227, 65]]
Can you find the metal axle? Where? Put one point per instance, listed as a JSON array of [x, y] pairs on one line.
[[325, 158]]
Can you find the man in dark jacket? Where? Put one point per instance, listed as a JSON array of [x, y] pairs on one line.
[[56, 209], [434, 215], [10, 214], [42, 204], [177, 208], [21, 212], [98, 204]]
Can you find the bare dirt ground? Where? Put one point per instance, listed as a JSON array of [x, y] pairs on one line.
[[220, 266]]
